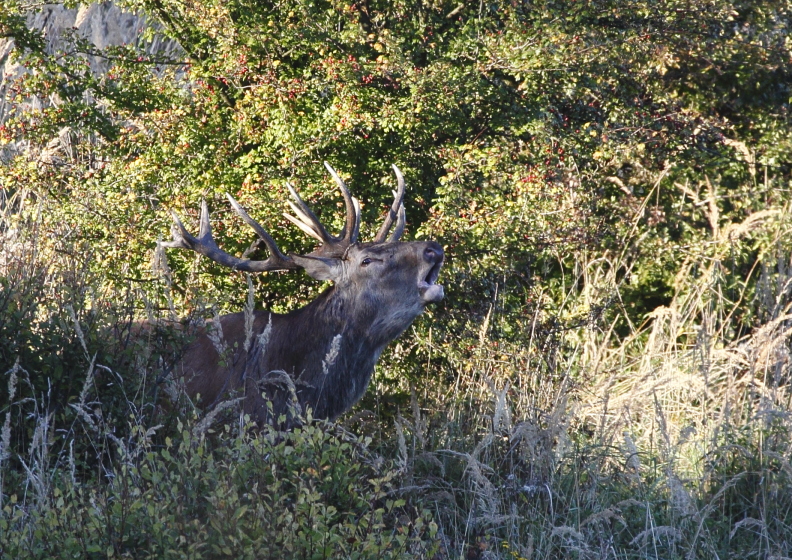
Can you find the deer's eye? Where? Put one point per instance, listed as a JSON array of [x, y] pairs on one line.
[[365, 262]]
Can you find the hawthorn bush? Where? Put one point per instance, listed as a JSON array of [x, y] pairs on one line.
[[611, 183]]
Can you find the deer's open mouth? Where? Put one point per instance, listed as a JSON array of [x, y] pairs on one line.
[[431, 292]]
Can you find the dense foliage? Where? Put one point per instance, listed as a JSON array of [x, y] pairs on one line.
[[528, 132], [611, 182], [222, 504]]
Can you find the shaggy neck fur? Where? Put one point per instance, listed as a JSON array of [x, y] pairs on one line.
[[338, 355]]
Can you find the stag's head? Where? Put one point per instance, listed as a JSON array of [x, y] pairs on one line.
[[390, 280]]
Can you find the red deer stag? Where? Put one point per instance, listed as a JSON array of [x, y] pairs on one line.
[[329, 347]]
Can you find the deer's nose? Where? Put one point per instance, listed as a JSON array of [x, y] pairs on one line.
[[433, 253]]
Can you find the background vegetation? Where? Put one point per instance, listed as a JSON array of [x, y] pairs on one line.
[[608, 376]]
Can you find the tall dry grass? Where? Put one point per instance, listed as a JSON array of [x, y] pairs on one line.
[[669, 441], [596, 438]]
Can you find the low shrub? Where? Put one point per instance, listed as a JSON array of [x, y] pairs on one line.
[[316, 492]]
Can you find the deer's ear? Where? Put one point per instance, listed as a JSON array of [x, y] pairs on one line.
[[319, 268]]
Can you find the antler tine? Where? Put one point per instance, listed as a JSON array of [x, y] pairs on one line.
[[401, 221], [183, 239], [179, 233], [356, 229], [393, 212], [260, 231], [352, 225], [306, 220], [204, 227], [206, 245]]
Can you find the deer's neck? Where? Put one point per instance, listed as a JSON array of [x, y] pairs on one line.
[[341, 344], [336, 312]]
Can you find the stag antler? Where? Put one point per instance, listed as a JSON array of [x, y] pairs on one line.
[[307, 221], [396, 212], [206, 245], [333, 247]]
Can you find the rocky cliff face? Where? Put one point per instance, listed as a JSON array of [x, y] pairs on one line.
[[104, 24]]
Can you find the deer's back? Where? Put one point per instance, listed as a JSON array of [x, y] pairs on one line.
[[215, 363]]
